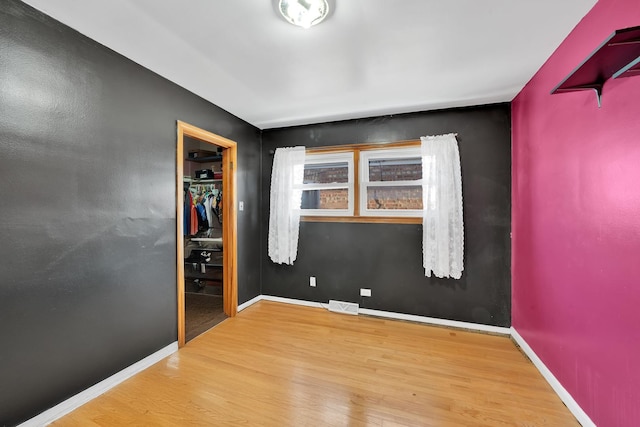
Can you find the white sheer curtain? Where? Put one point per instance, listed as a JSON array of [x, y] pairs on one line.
[[442, 227], [284, 210]]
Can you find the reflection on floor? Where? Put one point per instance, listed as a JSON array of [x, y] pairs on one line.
[[202, 312]]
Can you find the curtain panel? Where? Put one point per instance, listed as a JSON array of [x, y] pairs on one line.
[[284, 210], [442, 224]]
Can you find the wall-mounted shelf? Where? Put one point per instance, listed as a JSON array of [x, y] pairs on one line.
[[618, 56], [206, 159], [208, 240], [206, 181], [202, 181]]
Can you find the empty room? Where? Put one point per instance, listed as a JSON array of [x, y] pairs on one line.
[[320, 212]]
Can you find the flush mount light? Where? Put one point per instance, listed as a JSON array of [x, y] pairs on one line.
[[304, 13]]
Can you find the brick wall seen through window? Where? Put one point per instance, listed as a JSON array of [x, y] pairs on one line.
[[407, 197]]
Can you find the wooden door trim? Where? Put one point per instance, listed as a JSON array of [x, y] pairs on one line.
[[229, 220]]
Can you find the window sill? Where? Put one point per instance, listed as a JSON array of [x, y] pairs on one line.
[[364, 219]]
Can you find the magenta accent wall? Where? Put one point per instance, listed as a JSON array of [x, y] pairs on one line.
[[576, 225]]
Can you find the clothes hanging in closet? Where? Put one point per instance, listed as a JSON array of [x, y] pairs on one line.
[[202, 208], [203, 224], [188, 202], [193, 230], [208, 210]]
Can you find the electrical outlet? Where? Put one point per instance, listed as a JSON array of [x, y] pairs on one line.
[[365, 292], [312, 281]]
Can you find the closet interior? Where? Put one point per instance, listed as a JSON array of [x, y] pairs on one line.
[[203, 255]]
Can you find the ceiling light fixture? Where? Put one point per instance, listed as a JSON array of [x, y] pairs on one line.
[[304, 13]]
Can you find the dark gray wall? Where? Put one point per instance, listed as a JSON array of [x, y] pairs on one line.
[[387, 258], [87, 234]]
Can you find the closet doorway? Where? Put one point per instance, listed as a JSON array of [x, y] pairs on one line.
[[206, 251]]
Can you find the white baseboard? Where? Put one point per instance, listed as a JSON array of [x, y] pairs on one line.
[[436, 321], [399, 316], [564, 395], [249, 303], [63, 408], [292, 301]]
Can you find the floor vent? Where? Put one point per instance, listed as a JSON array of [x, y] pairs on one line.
[[343, 307]]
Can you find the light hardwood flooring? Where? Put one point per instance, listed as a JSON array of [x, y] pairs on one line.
[[284, 365]]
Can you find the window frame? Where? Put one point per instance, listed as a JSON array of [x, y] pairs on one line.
[[364, 183], [356, 216], [328, 158]]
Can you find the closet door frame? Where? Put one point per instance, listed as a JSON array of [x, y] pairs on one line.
[[229, 222]]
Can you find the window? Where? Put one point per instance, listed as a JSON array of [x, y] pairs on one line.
[[328, 185], [391, 182], [363, 183]]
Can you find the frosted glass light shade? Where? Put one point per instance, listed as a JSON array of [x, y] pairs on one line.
[[304, 13]]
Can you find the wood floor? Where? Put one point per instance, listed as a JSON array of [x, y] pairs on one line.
[[284, 365], [201, 313]]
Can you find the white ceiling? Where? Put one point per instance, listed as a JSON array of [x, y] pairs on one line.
[[371, 57]]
